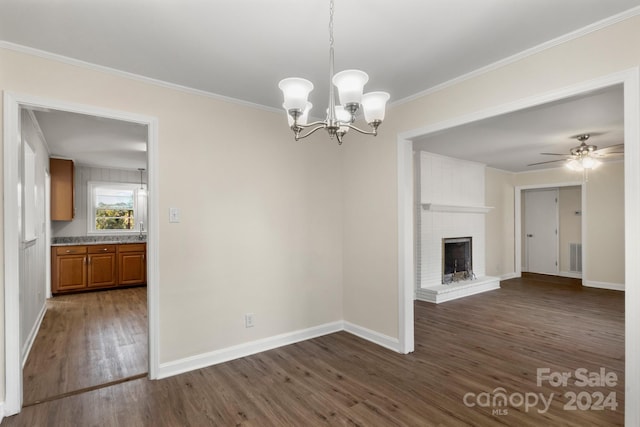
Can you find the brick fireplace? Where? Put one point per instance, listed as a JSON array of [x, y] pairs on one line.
[[451, 225]]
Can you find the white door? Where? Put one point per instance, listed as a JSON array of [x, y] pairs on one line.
[[541, 231]]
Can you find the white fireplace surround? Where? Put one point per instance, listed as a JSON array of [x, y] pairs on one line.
[[452, 200]]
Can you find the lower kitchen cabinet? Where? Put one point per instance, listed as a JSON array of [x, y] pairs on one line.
[[90, 267], [133, 264]]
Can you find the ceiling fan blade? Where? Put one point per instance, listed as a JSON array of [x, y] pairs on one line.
[[550, 161], [609, 149], [554, 154]]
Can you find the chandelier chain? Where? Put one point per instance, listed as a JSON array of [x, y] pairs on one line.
[[331, 8]]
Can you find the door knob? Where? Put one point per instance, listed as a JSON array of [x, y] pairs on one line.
[[529, 235]]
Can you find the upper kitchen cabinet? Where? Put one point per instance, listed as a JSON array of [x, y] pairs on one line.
[[62, 189]]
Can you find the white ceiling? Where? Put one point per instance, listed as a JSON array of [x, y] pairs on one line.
[[242, 48], [510, 142], [94, 141]]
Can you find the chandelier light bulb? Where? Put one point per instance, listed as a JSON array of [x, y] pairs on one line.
[[350, 84], [296, 92], [374, 104], [588, 162]]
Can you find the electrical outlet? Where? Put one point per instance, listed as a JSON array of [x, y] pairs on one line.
[[248, 320]]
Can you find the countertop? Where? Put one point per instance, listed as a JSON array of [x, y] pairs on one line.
[[97, 240]]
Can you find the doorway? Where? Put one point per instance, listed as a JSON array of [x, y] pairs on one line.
[[630, 79], [13, 104]]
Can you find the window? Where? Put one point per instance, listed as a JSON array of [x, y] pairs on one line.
[[115, 208]]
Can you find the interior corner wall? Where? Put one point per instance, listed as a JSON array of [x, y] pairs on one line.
[[261, 214], [370, 219]]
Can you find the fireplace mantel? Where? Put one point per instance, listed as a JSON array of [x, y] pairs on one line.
[[435, 207]]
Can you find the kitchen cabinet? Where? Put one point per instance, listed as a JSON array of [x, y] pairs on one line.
[[62, 189], [91, 267], [132, 263], [102, 262], [69, 268]]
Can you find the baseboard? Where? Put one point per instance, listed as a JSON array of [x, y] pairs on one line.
[[1, 412], [246, 349], [373, 336], [508, 276], [32, 335], [603, 285], [570, 274]]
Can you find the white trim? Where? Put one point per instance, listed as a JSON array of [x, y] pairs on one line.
[[632, 246], [611, 20], [12, 104], [1, 412], [13, 370], [443, 293], [137, 77], [518, 217], [630, 78], [604, 285], [434, 207], [570, 274], [406, 246], [508, 276], [245, 349], [374, 337], [32, 334]]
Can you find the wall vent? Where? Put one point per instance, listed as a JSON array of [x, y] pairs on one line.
[[575, 257]]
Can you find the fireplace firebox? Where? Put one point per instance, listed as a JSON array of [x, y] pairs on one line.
[[456, 259]]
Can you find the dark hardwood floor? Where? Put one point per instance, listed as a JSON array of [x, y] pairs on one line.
[[463, 348], [86, 340]]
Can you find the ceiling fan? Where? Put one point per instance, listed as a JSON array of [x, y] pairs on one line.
[[584, 156]]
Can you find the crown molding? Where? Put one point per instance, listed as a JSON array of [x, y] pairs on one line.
[[137, 77], [524, 54]]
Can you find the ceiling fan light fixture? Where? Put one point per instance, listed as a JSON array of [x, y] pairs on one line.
[[589, 162], [574, 165]]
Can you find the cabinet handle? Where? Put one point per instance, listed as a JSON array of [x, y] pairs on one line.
[[69, 251], [105, 249], [85, 260]]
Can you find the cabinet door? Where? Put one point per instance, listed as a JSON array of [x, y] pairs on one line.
[[132, 268], [102, 270], [70, 272], [62, 189]]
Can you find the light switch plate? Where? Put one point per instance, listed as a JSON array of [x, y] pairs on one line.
[[174, 215]]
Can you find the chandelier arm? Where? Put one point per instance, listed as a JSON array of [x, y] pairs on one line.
[[321, 125], [373, 132]]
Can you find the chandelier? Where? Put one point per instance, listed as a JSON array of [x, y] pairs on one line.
[[340, 118]]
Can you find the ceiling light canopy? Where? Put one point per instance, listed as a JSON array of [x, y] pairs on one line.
[[339, 119]]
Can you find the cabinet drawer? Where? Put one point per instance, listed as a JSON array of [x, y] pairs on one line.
[[102, 249], [71, 250], [133, 247]]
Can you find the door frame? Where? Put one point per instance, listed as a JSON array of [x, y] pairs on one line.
[[12, 104], [518, 220], [630, 79]]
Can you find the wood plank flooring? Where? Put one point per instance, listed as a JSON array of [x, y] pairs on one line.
[[85, 340], [471, 345]]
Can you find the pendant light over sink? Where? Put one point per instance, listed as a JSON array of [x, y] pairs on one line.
[[339, 119]]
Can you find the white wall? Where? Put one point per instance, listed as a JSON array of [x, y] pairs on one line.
[[570, 226], [261, 226], [82, 175], [34, 253], [499, 223]]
